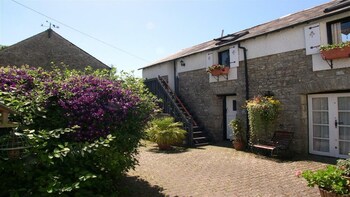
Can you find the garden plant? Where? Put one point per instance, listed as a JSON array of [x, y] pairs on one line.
[[262, 114], [334, 180], [83, 128], [165, 132]]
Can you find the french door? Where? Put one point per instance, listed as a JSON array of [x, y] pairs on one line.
[[329, 124]]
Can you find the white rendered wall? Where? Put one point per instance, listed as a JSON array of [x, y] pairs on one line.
[[164, 69], [272, 43]]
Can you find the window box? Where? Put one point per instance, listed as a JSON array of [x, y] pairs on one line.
[[336, 52], [221, 71]]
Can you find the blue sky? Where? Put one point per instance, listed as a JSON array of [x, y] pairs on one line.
[[135, 33]]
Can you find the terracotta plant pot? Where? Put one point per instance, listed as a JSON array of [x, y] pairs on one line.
[[325, 193], [164, 147], [238, 145], [336, 53]]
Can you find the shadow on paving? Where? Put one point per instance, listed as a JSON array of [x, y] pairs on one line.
[[174, 150], [295, 157], [133, 186]]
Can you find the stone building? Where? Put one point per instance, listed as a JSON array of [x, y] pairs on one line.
[[280, 58], [46, 47]]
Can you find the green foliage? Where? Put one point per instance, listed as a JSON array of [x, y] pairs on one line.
[[344, 165], [330, 179], [237, 127], [334, 46], [262, 114], [164, 131], [57, 164]]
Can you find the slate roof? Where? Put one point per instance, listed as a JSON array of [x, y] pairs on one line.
[[272, 26], [46, 47]]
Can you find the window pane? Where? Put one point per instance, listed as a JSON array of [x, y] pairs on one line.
[[320, 104], [344, 118], [344, 148], [321, 131], [344, 133], [340, 31], [224, 58], [320, 117], [321, 145], [345, 31], [344, 103]]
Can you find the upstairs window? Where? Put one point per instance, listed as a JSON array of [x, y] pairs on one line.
[[224, 58], [339, 31]]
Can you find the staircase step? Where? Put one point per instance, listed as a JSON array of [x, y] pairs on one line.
[[196, 128], [199, 138], [202, 144]]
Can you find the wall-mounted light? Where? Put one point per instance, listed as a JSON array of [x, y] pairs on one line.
[[182, 63]]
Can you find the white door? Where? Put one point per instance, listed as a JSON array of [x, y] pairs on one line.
[[329, 124], [231, 112]]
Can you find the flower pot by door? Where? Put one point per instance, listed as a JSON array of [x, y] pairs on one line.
[[238, 144]]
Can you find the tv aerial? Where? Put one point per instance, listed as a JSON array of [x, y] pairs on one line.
[[50, 25]]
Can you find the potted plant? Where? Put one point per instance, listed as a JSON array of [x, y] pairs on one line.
[[330, 181], [238, 134], [335, 51], [217, 69], [165, 132]]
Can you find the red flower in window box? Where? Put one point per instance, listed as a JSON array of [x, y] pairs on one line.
[[217, 70], [336, 51]]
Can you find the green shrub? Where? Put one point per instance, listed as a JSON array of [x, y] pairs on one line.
[[262, 114], [165, 132], [330, 179], [79, 146]]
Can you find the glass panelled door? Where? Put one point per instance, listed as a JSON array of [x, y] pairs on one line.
[[231, 112], [329, 124], [343, 124]]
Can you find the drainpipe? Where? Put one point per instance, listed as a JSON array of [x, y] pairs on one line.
[[246, 85]]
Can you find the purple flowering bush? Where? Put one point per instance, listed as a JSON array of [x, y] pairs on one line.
[[84, 128], [96, 105]]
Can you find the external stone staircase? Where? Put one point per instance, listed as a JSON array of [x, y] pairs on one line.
[[175, 107]]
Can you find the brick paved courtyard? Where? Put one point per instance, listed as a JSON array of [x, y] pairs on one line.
[[220, 171]]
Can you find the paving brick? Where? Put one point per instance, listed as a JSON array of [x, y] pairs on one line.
[[222, 171]]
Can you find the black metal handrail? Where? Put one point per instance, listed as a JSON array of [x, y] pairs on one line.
[[169, 106]]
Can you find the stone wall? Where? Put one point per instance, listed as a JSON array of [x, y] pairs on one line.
[[206, 101], [288, 76]]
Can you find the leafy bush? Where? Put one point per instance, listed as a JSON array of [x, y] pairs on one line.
[[165, 132], [262, 114], [237, 128], [84, 129], [330, 179], [344, 165]]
